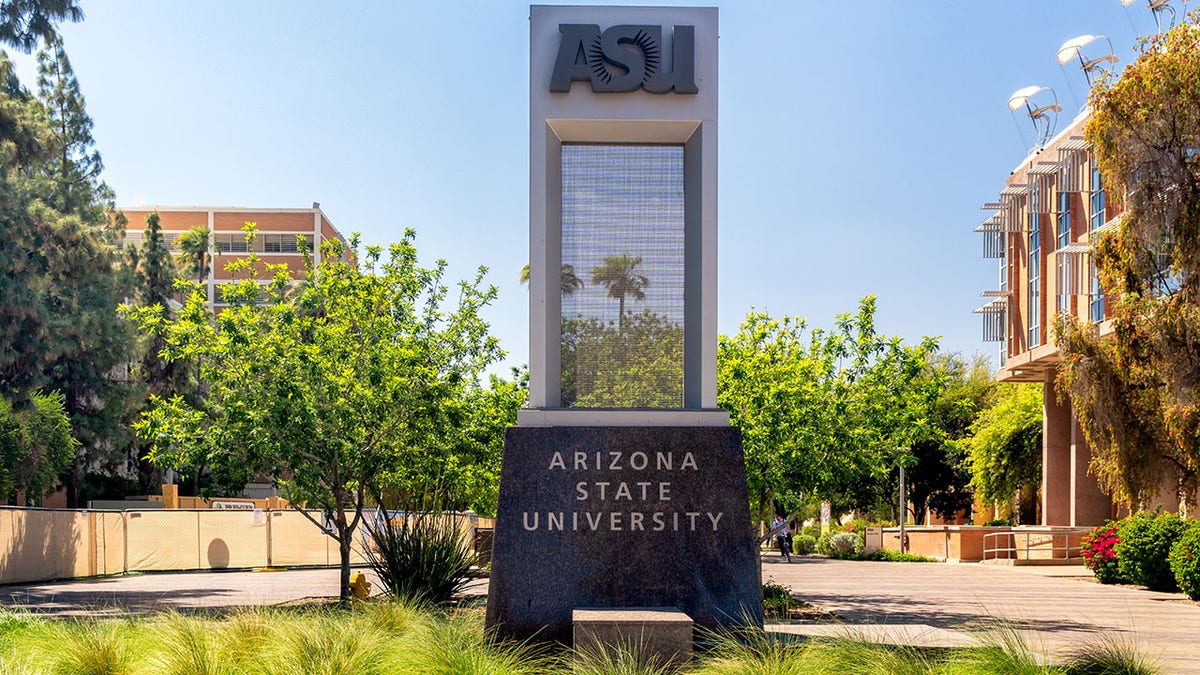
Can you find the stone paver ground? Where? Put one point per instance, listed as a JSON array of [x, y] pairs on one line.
[[1057, 609]]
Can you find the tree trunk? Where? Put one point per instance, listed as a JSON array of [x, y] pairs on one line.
[[1027, 505], [71, 484], [920, 513], [344, 539]]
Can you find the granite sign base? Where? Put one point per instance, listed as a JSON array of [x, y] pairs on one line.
[[610, 517]]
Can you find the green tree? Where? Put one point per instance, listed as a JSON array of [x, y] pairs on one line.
[[36, 447], [61, 332], [618, 274], [87, 289], [459, 461], [823, 413], [940, 478], [25, 261], [1136, 391], [74, 165], [1005, 448], [154, 373], [24, 23], [194, 253], [156, 281], [329, 389]]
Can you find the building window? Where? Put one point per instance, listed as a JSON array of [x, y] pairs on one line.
[[1035, 268], [1064, 218], [1097, 212], [1097, 295], [231, 243], [1066, 274], [284, 243]]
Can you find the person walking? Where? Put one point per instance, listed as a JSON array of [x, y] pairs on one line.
[[782, 536]]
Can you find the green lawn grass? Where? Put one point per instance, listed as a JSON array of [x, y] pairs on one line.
[[390, 637]]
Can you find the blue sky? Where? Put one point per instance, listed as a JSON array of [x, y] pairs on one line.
[[857, 140]]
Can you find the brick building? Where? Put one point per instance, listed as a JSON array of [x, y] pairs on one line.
[[1041, 228], [277, 240]]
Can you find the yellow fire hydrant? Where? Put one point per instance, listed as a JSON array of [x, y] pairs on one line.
[[360, 588]]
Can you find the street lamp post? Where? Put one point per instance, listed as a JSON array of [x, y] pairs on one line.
[[903, 510]]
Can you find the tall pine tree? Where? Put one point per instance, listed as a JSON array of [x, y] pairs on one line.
[[75, 166], [85, 288], [25, 336], [155, 278], [23, 23]]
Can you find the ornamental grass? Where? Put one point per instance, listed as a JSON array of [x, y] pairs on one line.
[[394, 637]]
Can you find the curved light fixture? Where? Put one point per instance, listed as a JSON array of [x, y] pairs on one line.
[[1039, 114], [1020, 97], [1074, 48], [1157, 7]]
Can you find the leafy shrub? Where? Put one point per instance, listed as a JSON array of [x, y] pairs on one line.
[[823, 544], [804, 544], [1144, 546], [845, 545], [998, 522], [1185, 561], [884, 555], [777, 600], [1099, 550], [859, 526], [422, 558]]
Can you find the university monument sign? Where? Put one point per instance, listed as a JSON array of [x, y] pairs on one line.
[[622, 485]]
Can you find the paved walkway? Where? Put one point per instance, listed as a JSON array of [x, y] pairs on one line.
[[142, 593], [182, 591], [1058, 607]]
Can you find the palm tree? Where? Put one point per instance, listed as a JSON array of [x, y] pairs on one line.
[[569, 282], [618, 275], [193, 252]]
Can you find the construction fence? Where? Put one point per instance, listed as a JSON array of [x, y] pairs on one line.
[[44, 544]]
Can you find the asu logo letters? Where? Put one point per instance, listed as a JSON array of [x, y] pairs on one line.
[[624, 58]]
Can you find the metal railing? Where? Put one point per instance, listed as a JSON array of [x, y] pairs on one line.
[[1034, 545]]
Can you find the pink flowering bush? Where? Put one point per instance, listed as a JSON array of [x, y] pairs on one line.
[[1185, 561], [1100, 553]]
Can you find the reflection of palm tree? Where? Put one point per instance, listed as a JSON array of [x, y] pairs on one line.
[[618, 275], [569, 282]]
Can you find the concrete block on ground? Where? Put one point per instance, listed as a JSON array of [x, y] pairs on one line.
[[661, 632]]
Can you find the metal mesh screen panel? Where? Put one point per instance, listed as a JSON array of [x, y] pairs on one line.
[[622, 276]]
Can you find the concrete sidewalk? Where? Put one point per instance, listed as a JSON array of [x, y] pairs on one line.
[[181, 591], [1057, 609]]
